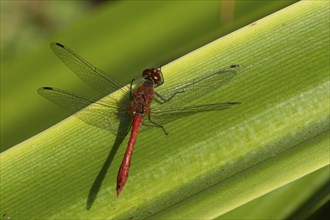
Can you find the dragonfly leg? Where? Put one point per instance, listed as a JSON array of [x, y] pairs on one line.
[[162, 100], [155, 124], [131, 89]]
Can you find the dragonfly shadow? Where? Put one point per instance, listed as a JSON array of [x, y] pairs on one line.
[[123, 129]]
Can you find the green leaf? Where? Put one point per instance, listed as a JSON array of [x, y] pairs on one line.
[[297, 200], [122, 38], [210, 163]]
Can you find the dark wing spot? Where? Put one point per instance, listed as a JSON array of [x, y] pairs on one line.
[[60, 45], [47, 88]]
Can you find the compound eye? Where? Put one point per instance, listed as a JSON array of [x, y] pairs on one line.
[[158, 78], [146, 72], [155, 75]]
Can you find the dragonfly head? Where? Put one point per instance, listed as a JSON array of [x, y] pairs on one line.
[[154, 75]]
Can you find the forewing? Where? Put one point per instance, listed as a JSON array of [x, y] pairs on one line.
[[92, 76], [193, 89], [101, 114]]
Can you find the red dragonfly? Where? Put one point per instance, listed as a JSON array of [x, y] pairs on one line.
[[135, 100]]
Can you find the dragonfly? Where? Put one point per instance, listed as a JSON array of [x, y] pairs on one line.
[[137, 102]]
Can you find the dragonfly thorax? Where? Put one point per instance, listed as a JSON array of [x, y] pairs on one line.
[[154, 75]]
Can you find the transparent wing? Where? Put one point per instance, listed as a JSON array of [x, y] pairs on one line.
[[165, 115], [105, 114], [185, 92], [92, 76]]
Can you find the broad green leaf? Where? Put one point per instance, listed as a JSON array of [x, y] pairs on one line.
[[297, 200], [121, 38], [210, 163]]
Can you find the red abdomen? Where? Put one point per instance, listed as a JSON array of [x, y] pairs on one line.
[[124, 168]]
